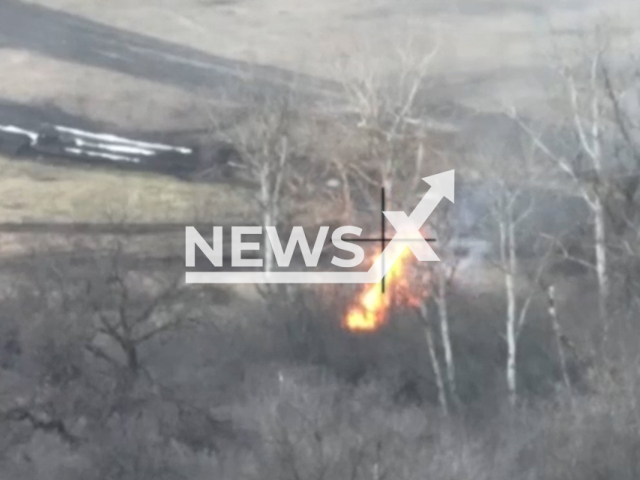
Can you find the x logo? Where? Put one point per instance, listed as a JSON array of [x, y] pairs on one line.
[[408, 235]]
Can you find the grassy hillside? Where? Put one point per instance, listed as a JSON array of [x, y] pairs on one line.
[[35, 192]]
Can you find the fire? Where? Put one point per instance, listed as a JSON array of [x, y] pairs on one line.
[[369, 311]]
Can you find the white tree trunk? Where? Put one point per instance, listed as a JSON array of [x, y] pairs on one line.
[[268, 204], [267, 221], [508, 254], [600, 230], [553, 313], [511, 342], [441, 302], [435, 364], [592, 146]]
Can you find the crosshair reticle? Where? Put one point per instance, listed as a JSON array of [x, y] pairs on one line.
[[383, 239]]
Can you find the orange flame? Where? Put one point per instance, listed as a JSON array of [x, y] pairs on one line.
[[371, 308]]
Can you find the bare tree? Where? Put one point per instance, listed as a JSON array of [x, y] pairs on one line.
[[511, 177], [557, 331], [387, 148], [131, 310], [508, 219], [510, 216], [620, 87], [441, 277], [271, 136], [588, 172], [119, 308], [433, 356]]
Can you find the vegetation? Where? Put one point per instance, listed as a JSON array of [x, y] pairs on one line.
[[39, 192], [111, 368]]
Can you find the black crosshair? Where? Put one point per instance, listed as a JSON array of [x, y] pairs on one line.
[[384, 240]]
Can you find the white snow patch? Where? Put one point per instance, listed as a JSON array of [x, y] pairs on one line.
[[115, 148], [107, 137], [33, 136], [108, 156]]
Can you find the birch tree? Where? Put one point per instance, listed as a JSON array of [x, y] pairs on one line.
[[272, 138], [387, 148], [508, 219], [621, 89], [433, 356], [392, 143], [263, 143], [558, 334], [585, 166], [441, 278], [510, 174]]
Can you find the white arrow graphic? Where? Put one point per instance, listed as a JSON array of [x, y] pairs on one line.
[[408, 233], [407, 236]]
